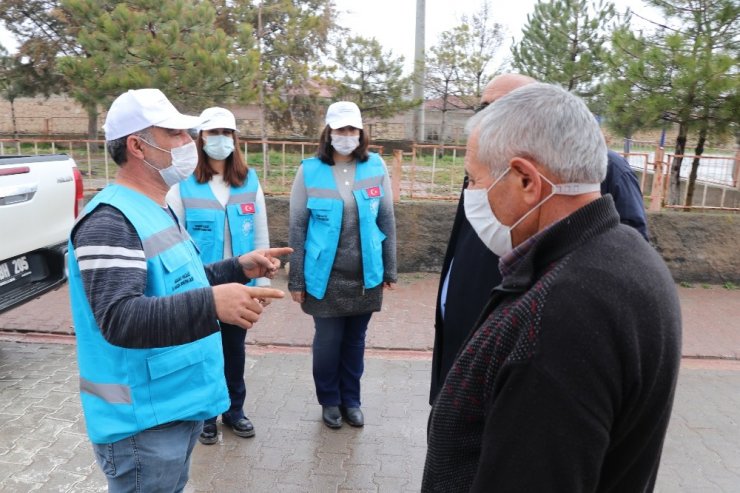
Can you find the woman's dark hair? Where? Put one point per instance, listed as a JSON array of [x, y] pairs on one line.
[[235, 168], [326, 151]]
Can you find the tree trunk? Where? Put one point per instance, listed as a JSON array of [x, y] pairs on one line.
[[674, 197], [695, 166], [12, 117], [92, 125], [736, 166], [443, 126]]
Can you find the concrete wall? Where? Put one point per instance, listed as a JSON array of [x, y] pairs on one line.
[[40, 116], [697, 247]]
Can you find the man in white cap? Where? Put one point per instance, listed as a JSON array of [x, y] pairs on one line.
[[145, 308]]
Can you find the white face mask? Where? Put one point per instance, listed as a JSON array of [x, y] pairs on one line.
[[345, 144], [184, 161], [496, 236], [219, 146]]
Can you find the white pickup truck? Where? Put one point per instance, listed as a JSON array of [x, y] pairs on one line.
[[40, 197]]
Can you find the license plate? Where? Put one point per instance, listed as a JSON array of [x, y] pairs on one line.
[[14, 272]]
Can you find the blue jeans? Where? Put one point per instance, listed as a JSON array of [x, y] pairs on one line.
[[153, 460], [338, 359], [232, 340]]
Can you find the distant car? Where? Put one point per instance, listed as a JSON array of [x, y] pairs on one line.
[[40, 197]]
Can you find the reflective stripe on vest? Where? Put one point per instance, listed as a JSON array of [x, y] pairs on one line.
[[109, 392], [326, 208], [125, 391]]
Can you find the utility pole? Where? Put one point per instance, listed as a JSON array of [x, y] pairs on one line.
[[419, 70], [263, 128]]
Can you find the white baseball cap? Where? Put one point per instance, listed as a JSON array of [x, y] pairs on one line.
[[137, 109], [343, 114], [217, 118]]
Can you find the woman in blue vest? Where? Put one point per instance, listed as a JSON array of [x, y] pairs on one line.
[[343, 232], [223, 208]]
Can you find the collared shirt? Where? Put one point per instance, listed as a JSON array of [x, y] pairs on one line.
[[509, 262]]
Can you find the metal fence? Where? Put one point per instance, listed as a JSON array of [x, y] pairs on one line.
[[426, 171], [716, 184]]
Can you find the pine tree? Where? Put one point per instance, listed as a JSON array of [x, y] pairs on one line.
[[564, 42], [684, 71], [168, 44]]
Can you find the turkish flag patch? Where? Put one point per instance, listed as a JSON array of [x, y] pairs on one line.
[[373, 191], [247, 208]]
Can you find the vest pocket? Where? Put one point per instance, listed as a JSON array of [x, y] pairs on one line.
[[165, 363], [322, 216], [201, 224], [177, 269], [173, 373], [320, 208]]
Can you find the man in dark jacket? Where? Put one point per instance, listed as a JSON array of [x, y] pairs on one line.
[[621, 183], [470, 270], [567, 382]]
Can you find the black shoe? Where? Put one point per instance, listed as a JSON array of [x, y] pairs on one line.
[[209, 435], [241, 427], [353, 415], [331, 416]]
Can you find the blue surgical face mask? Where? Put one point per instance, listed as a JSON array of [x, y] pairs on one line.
[[218, 146]]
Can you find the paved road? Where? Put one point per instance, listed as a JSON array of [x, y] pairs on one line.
[[44, 447]]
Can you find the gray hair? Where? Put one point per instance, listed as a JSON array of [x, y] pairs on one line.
[[544, 123], [117, 147]]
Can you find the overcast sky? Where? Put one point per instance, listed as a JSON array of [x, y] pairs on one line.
[[392, 22]]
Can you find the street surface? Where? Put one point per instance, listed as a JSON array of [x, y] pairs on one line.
[[44, 446]]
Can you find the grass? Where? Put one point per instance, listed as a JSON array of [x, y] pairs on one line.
[[730, 285], [685, 284]]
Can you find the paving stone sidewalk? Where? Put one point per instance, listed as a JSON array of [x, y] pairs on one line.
[[44, 447], [710, 318]]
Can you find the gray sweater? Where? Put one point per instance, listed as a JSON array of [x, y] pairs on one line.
[[345, 294]]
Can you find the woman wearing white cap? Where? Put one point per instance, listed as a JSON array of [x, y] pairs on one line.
[[223, 208], [343, 232]]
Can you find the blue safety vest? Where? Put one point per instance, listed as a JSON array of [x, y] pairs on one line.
[[326, 207], [205, 216], [125, 391]]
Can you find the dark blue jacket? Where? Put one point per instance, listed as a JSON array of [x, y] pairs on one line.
[[621, 183]]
